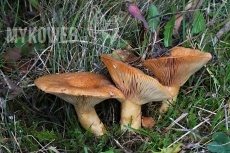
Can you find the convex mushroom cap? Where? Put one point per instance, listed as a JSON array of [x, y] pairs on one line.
[[84, 90], [174, 70], [137, 87]]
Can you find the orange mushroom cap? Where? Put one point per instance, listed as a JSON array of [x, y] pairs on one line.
[[82, 88], [175, 70], [148, 122]]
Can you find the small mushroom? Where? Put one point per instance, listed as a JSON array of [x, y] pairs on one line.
[[173, 71], [84, 90], [147, 122], [137, 87]]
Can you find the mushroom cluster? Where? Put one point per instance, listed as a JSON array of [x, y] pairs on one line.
[[132, 88]]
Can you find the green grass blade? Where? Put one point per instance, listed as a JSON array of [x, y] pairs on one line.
[[168, 31]]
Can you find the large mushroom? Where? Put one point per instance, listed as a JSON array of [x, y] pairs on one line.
[[174, 70], [84, 90], [137, 87]]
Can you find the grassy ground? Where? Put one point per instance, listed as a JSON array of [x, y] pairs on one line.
[[33, 121]]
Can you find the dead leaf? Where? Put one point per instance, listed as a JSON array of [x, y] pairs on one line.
[[148, 122], [22, 66], [8, 139], [8, 89], [179, 16], [9, 19], [15, 61], [12, 55], [124, 56]]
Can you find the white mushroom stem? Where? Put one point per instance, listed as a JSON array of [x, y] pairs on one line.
[[90, 121], [130, 114], [166, 103]]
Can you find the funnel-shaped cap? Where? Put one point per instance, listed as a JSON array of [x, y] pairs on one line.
[[134, 84], [175, 70]]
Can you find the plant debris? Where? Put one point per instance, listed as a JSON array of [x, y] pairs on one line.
[[8, 89]]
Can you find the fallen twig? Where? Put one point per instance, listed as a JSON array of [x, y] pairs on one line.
[[175, 121], [188, 133], [123, 148]]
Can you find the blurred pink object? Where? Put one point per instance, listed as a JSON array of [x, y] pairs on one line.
[[136, 12]]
